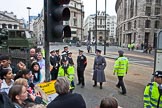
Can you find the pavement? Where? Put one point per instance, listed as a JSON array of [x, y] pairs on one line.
[[134, 53]]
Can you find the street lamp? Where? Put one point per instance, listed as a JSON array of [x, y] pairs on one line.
[[81, 22], [96, 28], [105, 31], [29, 16]]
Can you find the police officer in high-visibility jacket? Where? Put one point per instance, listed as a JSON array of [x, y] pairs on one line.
[[153, 92], [67, 70], [121, 68]]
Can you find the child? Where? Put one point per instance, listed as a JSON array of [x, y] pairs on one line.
[[7, 77]]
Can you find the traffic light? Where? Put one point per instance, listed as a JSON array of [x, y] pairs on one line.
[[57, 12]]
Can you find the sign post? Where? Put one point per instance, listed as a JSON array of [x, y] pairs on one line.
[[158, 53]]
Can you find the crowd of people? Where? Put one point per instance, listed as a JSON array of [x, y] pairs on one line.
[[18, 82]]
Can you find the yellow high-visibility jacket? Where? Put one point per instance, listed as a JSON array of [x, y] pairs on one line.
[[151, 96], [121, 66], [70, 74]]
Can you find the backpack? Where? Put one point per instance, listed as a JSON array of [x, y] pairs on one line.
[[5, 101]]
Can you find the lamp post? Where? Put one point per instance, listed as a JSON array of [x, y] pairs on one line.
[[96, 28], [105, 31], [81, 22], [29, 16]]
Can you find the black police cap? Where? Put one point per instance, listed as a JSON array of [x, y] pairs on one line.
[[98, 50], [157, 73]]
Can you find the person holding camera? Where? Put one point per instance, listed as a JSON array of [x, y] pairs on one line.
[[153, 92]]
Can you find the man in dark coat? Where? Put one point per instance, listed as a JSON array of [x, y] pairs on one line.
[[53, 61], [65, 99], [70, 59], [98, 67], [66, 49], [81, 65]]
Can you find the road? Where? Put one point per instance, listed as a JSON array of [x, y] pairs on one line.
[[139, 74]]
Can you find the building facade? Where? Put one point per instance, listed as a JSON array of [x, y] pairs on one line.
[[138, 21], [9, 20], [76, 19], [89, 28]]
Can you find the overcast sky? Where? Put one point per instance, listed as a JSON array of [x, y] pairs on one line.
[[19, 7]]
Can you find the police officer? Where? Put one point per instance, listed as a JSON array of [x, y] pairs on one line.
[[153, 91], [66, 70], [53, 61], [81, 65], [121, 68], [98, 67], [66, 49], [70, 59]]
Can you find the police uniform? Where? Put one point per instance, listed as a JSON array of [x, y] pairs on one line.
[[65, 51], [153, 92], [53, 61], [98, 67], [121, 68], [66, 70], [70, 59], [81, 65]]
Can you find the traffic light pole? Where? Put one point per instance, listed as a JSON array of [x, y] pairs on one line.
[[46, 45]]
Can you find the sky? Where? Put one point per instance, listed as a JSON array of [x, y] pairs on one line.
[[19, 7]]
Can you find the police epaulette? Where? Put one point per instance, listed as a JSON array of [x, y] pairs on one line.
[[149, 84]]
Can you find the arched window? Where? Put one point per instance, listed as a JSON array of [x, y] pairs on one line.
[[10, 26], [3, 25]]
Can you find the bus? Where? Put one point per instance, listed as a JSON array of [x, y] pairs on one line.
[[20, 39]]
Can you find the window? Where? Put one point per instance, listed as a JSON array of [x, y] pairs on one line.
[[148, 11], [15, 26], [10, 26], [100, 21], [157, 11], [3, 25], [158, 1], [129, 25], [148, 1], [135, 24], [147, 23], [12, 34], [157, 24], [75, 22], [74, 14]]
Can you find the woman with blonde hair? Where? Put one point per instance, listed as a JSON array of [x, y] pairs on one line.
[[109, 102], [31, 96], [18, 94]]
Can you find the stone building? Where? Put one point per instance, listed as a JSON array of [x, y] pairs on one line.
[[138, 21], [89, 28], [76, 19], [10, 21]]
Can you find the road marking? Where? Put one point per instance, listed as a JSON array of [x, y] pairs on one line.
[[141, 61]]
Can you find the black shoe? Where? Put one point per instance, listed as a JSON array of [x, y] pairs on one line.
[[122, 93], [117, 86], [82, 86], [94, 85], [100, 87], [78, 84]]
